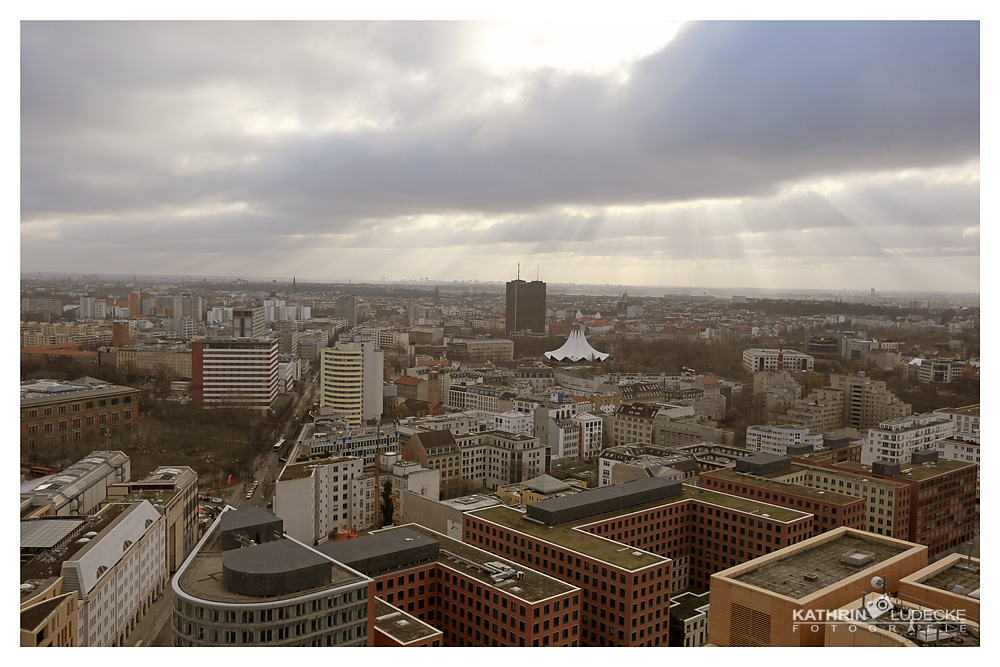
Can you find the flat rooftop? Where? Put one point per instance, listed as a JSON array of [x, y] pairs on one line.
[[40, 392], [965, 410], [766, 481], [399, 625], [43, 567], [534, 587], [956, 575], [47, 532], [917, 472], [304, 469], [786, 576], [570, 536], [686, 605], [202, 578]]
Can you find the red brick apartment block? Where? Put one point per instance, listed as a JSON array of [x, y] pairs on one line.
[[630, 545]]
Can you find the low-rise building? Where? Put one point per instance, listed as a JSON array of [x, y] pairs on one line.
[[776, 439], [951, 584], [319, 498], [81, 488], [762, 359], [48, 614], [966, 418], [54, 411], [760, 477]]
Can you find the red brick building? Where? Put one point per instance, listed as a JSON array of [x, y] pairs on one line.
[[470, 595], [831, 509], [630, 545], [942, 499]]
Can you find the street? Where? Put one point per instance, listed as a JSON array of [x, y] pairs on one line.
[[155, 628]]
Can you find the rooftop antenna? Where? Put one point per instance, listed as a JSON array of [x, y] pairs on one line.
[[519, 270], [538, 269]]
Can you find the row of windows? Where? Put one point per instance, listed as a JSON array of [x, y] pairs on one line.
[[74, 407]]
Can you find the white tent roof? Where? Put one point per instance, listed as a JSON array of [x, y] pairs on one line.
[[576, 348]]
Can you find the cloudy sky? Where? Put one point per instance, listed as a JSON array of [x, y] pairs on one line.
[[819, 155]]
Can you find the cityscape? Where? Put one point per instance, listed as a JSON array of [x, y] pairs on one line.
[[452, 361]]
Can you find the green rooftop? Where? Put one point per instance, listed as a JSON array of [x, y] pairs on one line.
[[916, 471], [772, 482], [569, 534], [566, 535]]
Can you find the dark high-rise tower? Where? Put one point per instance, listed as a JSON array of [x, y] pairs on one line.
[[347, 307], [525, 306]]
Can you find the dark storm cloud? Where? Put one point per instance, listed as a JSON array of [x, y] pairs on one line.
[[363, 125]]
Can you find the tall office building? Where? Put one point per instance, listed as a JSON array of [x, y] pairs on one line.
[[351, 380], [229, 372], [525, 306], [248, 322], [347, 307]]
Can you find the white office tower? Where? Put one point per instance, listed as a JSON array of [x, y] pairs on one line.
[[351, 380]]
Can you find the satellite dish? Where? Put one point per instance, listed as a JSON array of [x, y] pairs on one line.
[[878, 582]]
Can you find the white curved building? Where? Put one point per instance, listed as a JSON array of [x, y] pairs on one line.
[[576, 348]]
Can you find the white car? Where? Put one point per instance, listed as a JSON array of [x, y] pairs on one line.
[[250, 495]]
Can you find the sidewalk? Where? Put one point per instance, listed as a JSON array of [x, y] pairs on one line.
[[152, 625]]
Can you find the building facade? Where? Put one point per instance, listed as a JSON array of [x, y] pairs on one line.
[[525, 306], [54, 411], [895, 440], [247, 585], [351, 380], [776, 439], [235, 372]]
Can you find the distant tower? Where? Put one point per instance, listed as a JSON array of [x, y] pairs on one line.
[[120, 334], [525, 306], [347, 307], [293, 284]]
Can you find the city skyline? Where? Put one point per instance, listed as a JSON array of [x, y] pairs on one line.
[[819, 155]]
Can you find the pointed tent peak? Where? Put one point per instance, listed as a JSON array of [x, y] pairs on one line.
[[576, 348]]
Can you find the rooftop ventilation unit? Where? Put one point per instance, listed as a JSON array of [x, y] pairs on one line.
[[886, 468], [857, 558], [810, 577], [925, 456]]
